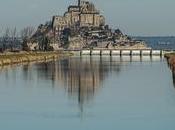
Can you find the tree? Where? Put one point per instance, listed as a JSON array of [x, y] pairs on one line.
[[27, 32], [1, 31], [6, 38], [13, 34], [7, 33], [9, 38], [13, 37], [66, 34]]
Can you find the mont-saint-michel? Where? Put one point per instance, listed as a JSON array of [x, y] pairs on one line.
[[67, 66], [81, 30], [82, 26]]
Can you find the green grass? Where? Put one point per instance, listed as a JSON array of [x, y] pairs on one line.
[[13, 58]]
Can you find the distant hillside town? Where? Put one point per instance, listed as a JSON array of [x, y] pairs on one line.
[[81, 26]]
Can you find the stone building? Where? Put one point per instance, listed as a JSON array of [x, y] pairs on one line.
[[82, 15], [81, 26]]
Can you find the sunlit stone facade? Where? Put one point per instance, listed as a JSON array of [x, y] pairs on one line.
[[82, 15]]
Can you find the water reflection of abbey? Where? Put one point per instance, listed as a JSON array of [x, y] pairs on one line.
[[81, 77]]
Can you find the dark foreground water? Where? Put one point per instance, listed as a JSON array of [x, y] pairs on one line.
[[89, 93]]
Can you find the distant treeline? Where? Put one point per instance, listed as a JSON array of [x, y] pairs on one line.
[[159, 42], [12, 38]]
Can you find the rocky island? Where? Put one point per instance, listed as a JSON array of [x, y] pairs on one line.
[[81, 27]]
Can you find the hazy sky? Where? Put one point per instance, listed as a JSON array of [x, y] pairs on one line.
[[134, 17]]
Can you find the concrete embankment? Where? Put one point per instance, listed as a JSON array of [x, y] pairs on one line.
[[22, 57]]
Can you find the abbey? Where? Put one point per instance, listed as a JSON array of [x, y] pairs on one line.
[[84, 14], [81, 26]]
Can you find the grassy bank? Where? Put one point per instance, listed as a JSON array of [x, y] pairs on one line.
[[22, 57], [170, 55], [171, 60]]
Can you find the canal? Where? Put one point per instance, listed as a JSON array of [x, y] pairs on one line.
[[88, 93]]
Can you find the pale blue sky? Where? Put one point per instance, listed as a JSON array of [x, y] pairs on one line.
[[134, 17]]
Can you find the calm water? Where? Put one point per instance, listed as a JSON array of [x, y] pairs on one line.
[[89, 93]]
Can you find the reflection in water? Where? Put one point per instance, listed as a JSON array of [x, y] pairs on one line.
[[82, 76], [88, 93], [173, 75]]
